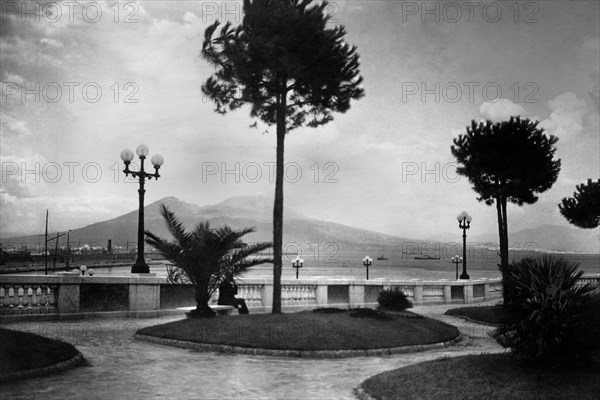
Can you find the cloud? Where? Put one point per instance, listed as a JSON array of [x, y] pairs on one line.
[[595, 92], [10, 77], [22, 176], [21, 216], [500, 110], [10, 126], [566, 119], [51, 42], [190, 18]]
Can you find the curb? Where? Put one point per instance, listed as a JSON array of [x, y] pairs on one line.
[[220, 348], [43, 371]]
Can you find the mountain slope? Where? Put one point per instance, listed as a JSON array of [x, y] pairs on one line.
[[256, 211], [237, 212], [551, 237]]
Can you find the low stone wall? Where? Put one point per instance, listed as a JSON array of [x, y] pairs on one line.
[[68, 295]]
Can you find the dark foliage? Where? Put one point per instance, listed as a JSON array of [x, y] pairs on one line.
[[393, 299], [552, 315], [510, 160], [282, 47], [583, 209]]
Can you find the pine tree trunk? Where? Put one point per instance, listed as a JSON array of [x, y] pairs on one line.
[[500, 229], [505, 232], [501, 237], [278, 206]]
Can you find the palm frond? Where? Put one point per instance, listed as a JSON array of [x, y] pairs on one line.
[[175, 226]]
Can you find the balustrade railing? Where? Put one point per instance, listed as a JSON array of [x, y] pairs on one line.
[[58, 295], [433, 293], [252, 294], [298, 295], [27, 299]]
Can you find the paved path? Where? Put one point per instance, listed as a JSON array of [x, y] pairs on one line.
[[121, 367]]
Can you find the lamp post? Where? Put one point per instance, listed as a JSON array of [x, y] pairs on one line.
[[464, 223], [456, 260], [367, 261], [297, 263], [140, 266]]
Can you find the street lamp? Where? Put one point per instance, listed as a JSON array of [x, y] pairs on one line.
[[297, 263], [367, 261], [456, 260], [140, 266], [464, 222]]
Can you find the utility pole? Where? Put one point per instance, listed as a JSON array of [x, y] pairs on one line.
[[46, 246], [68, 251], [55, 249], [55, 253]]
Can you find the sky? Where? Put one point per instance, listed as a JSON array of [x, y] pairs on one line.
[[82, 81]]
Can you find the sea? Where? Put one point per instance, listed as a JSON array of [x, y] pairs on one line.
[[348, 264]]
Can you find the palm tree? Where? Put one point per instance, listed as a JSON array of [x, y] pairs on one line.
[[205, 256]]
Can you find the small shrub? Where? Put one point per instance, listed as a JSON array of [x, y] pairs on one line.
[[393, 299], [370, 313], [549, 311], [329, 310]]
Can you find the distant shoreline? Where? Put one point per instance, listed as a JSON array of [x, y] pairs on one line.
[[15, 269]]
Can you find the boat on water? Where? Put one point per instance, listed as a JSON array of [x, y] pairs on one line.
[[382, 258], [426, 257]]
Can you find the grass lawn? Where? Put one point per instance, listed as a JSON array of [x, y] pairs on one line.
[[484, 377], [486, 314], [307, 331], [21, 351]]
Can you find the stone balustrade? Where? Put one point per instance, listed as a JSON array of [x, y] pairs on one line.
[[28, 299], [69, 295]]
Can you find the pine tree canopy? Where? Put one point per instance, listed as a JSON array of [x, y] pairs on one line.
[[511, 159], [282, 54], [583, 209]]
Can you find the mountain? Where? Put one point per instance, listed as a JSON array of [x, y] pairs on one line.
[[551, 237], [251, 207], [256, 211], [237, 212]]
